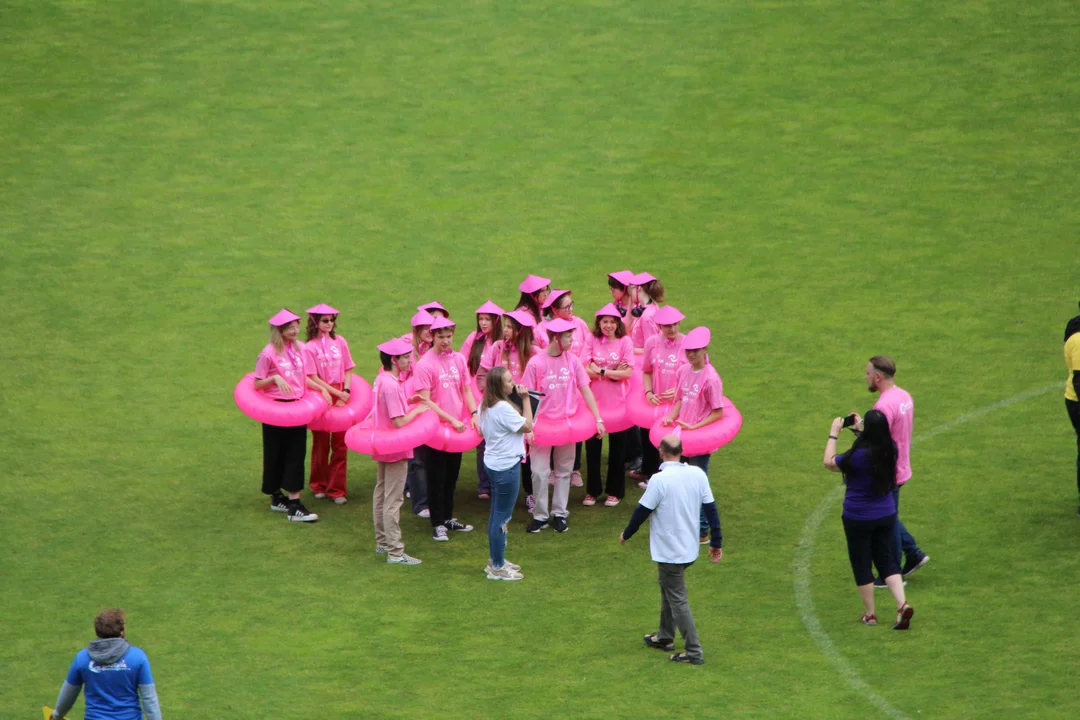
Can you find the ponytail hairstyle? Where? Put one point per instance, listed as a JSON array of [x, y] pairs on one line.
[[480, 341], [876, 440], [655, 290], [530, 304], [493, 388]]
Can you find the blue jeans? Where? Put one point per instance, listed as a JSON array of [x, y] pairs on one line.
[[700, 461], [504, 492], [905, 544]]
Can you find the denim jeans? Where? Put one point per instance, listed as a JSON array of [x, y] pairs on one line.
[[504, 492], [700, 461], [905, 544]]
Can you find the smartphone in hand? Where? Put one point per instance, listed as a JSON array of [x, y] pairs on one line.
[[849, 420]]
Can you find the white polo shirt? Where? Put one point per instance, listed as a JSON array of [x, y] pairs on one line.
[[675, 495]]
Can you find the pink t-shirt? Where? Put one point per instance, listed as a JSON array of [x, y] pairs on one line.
[[467, 346], [899, 408], [390, 403], [560, 379], [446, 375], [609, 354], [644, 327], [663, 358], [495, 355], [700, 392], [581, 334], [289, 365], [330, 357]]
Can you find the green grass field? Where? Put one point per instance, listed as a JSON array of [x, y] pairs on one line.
[[818, 182]]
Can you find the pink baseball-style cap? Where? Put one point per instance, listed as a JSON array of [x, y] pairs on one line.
[[558, 325], [668, 315], [433, 305], [642, 278], [396, 347], [422, 318], [532, 283], [697, 338], [553, 296], [623, 277], [609, 310], [440, 323], [523, 317], [490, 308], [284, 317], [322, 309]]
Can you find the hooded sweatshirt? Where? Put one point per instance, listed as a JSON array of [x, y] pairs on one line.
[[117, 678]]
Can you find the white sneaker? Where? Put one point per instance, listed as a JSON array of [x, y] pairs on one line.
[[503, 573], [425, 513], [341, 500], [402, 559], [320, 496], [506, 564], [438, 534], [643, 485], [380, 550], [575, 479]]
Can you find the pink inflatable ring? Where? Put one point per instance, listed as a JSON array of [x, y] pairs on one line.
[[365, 439], [259, 406], [553, 433], [447, 439], [704, 440], [340, 419]]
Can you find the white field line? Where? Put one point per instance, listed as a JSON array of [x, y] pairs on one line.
[[804, 555]]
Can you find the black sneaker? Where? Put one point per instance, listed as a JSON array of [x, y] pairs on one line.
[[880, 584], [438, 534], [635, 465], [559, 523], [279, 503], [536, 526], [299, 513], [453, 524], [912, 564]]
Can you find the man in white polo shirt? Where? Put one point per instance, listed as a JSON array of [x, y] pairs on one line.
[[675, 499]]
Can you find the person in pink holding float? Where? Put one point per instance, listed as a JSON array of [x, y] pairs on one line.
[[699, 398], [416, 480], [328, 353], [560, 305], [663, 356], [280, 372], [534, 292], [513, 352], [559, 374], [650, 293], [608, 357], [488, 332], [442, 377], [392, 411]]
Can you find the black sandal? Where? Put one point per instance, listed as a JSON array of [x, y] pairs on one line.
[[652, 642], [684, 658]]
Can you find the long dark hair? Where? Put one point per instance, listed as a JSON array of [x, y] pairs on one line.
[[530, 304], [876, 440], [476, 352], [522, 342]]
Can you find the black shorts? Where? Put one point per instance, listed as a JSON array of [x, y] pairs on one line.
[[871, 541]]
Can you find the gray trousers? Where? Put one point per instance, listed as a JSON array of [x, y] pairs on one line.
[[675, 608]]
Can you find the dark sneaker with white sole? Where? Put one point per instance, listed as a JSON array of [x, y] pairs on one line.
[[559, 523], [536, 526], [453, 524], [439, 534], [279, 503], [299, 513], [880, 584], [912, 564]]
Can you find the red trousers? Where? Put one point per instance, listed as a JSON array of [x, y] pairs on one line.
[[328, 476]]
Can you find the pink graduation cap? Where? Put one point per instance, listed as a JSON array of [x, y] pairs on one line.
[[697, 338], [396, 347], [322, 309], [642, 278], [433, 305], [284, 317], [668, 315], [609, 310], [623, 277], [553, 296], [523, 317], [558, 325], [532, 283], [490, 308], [422, 318], [440, 323]]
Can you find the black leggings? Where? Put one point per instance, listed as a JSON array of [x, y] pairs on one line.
[[284, 451], [616, 472], [1073, 408], [526, 476], [871, 541], [443, 469], [650, 456]]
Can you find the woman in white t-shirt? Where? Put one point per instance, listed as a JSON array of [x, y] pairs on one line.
[[504, 430]]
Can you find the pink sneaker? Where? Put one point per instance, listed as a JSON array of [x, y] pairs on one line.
[[611, 501], [588, 501], [575, 479], [643, 485]]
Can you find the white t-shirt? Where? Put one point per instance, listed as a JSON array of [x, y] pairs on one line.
[[504, 443], [675, 495]]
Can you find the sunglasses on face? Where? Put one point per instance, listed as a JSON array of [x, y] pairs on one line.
[[327, 320]]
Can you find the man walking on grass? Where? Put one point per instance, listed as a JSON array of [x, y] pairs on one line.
[[675, 499]]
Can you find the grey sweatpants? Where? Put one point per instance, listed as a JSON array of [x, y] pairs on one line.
[[675, 608]]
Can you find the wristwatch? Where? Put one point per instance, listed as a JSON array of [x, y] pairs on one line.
[[603, 372], [347, 391]]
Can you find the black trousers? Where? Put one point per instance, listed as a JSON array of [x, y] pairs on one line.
[[284, 452], [650, 456], [616, 470], [577, 456], [633, 444], [872, 541], [1073, 408], [526, 476], [443, 469]]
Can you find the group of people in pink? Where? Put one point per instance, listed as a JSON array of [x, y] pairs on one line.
[[529, 389]]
